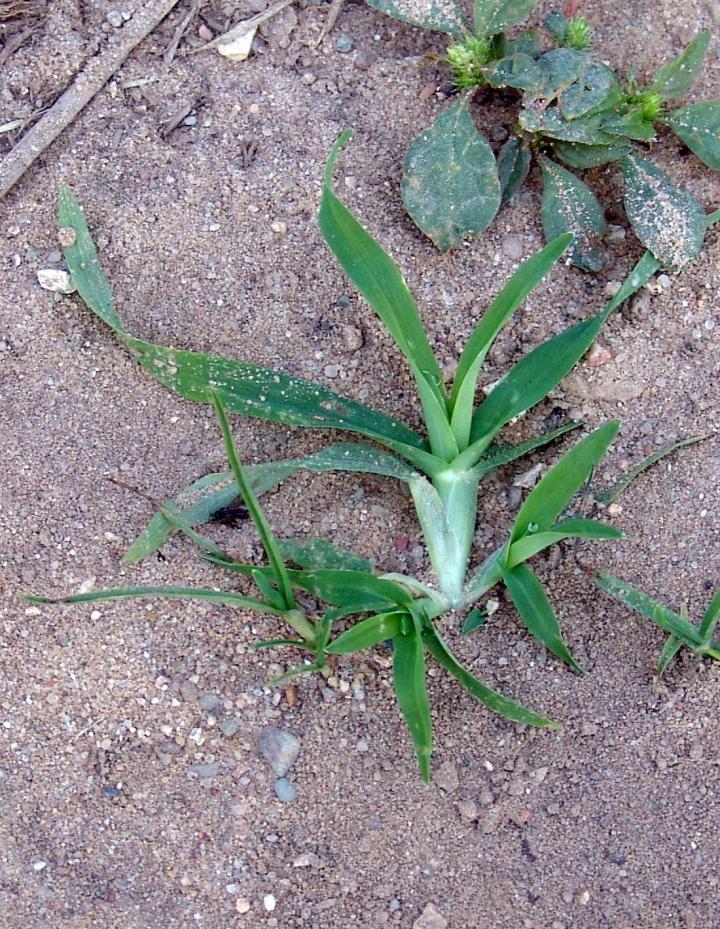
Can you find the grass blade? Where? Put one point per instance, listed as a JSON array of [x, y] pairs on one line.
[[498, 455], [608, 496], [529, 545], [317, 553], [533, 377], [640, 602], [377, 278], [170, 593], [82, 260], [411, 693], [669, 650], [258, 517], [531, 602], [710, 620], [368, 633], [529, 274], [490, 698], [551, 495]]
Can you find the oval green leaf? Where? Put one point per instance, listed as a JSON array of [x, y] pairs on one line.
[[492, 16], [438, 15], [450, 186], [698, 125], [666, 218], [513, 165], [367, 633], [568, 205]]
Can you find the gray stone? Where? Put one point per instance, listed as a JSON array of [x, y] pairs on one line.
[[512, 246], [209, 702], [189, 691], [206, 770], [431, 918], [115, 18], [344, 43], [279, 748], [230, 727], [284, 790]]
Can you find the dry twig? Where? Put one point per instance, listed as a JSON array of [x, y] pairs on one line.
[[96, 73]]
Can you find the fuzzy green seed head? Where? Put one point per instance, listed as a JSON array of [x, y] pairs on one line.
[[577, 34], [467, 59], [651, 104]]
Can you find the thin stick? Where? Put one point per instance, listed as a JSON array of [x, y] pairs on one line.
[[98, 71], [247, 25]]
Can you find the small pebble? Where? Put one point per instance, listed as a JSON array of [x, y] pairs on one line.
[[284, 790], [352, 338], [344, 43], [269, 902], [512, 246], [57, 281], [431, 918], [279, 748], [115, 18], [331, 371], [242, 905], [209, 702], [230, 727], [207, 770]]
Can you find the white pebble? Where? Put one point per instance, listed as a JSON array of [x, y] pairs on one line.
[[269, 902]]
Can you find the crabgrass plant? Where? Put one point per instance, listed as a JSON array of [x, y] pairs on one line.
[[682, 632], [442, 469]]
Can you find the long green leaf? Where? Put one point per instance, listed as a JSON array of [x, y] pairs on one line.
[[523, 281], [637, 600], [710, 620], [82, 260], [669, 650], [676, 78], [171, 593], [531, 602], [254, 509], [498, 455], [547, 500], [412, 696], [534, 376], [377, 278], [490, 698], [607, 496], [243, 388], [368, 633], [318, 553], [529, 545]]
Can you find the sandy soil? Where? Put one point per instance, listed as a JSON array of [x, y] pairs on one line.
[[133, 793]]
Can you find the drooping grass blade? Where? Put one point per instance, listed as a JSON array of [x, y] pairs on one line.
[[172, 593], [462, 399], [254, 509], [608, 496], [531, 602], [367, 633], [551, 495], [411, 693], [486, 695]]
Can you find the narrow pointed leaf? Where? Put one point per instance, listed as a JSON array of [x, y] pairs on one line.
[[440, 15], [662, 616], [83, 262], [345, 588], [279, 643], [492, 16], [366, 634], [475, 619], [547, 500], [450, 185], [377, 277], [581, 156], [669, 650], [568, 205], [529, 545], [513, 165], [698, 125], [490, 698], [523, 281], [531, 602], [710, 620], [499, 455], [317, 553], [257, 515], [534, 376], [271, 594], [412, 696], [608, 496], [666, 218], [676, 78], [170, 593]]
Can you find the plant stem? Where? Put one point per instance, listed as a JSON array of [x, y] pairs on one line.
[[304, 628], [458, 491]]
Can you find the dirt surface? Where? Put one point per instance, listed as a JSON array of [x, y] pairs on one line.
[[133, 791]]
